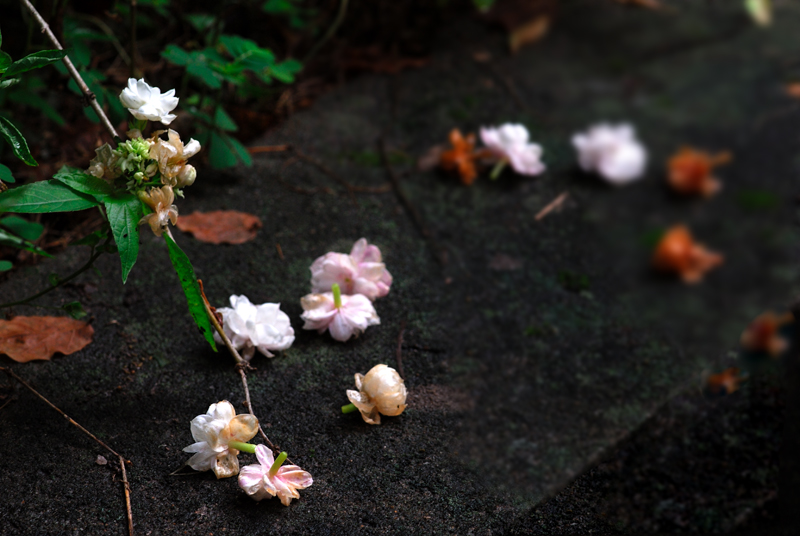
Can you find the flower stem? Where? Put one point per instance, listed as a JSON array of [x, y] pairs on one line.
[[244, 447], [349, 408], [278, 462], [498, 169], [337, 295]]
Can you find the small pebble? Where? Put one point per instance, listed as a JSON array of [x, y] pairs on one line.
[[101, 460]]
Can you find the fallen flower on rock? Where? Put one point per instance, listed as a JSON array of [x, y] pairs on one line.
[[269, 477], [221, 226], [611, 151], [726, 382], [677, 253], [461, 158], [381, 391], [220, 434], [763, 334], [27, 338], [344, 316], [360, 272], [689, 172], [509, 145], [249, 327]]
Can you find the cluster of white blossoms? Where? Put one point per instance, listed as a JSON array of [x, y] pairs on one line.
[[153, 168], [221, 435], [343, 287]]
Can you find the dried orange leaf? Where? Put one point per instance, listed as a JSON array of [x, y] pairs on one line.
[[528, 33], [221, 226], [793, 90], [26, 338]]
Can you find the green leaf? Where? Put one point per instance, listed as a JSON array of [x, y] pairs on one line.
[[8, 82], [219, 154], [9, 239], [5, 266], [17, 141], [200, 21], [206, 74], [5, 61], [285, 70], [194, 299], [45, 196], [239, 150], [223, 121], [36, 60], [176, 55], [74, 309], [24, 95], [29, 230], [5, 174], [79, 180], [124, 214], [92, 239]]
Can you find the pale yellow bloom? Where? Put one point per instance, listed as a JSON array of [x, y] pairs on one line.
[[160, 201]]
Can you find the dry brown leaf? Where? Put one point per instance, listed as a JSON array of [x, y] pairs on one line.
[[26, 338], [793, 90], [528, 33], [221, 226]]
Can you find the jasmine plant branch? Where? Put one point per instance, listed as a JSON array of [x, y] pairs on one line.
[[133, 39], [87, 93], [122, 460]]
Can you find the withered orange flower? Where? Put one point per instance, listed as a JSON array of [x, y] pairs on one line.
[[678, 253], [461, 158], [762, 335], [725, 383], [689, 171]]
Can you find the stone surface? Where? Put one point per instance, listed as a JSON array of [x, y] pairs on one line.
[[530, 350]]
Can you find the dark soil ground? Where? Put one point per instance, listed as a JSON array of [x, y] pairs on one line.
[[554, 380]]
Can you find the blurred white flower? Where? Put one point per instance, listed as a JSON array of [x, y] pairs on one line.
[[212, 433], [249, 326], [510, 143], [353, 316], [381, 391], [360, 272], [611, 151], [147, 102], [259, 482]]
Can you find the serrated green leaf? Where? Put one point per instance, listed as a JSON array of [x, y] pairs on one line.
[[5, 266], [45, 196], [36, 60], [223, 121], [79, 180], [8, 82], [17, 141], [194, 299], [29, 230], [124, 214], [5, 174]]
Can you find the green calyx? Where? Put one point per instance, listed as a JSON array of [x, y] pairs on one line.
[[337, 295], [244, 447], [278, 462]]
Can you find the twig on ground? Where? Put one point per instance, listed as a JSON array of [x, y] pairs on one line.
[[438, 252], [280, 251], [269, 149], [555, 204], [241, 364], [122, 460], [400, 350], [87, 93]]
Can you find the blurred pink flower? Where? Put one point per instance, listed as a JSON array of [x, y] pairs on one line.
[[611, 151], [353, 315], [360, 272], [257, 481], [510, 142]]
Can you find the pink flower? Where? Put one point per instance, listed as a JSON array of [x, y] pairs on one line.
[[360, 272], [262, 480], [611, 151], [510, 143], [343, 316]]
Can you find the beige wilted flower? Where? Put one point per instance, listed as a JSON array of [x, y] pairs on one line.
[[104, 164], [160, 201], [381, 391], [171, 155]]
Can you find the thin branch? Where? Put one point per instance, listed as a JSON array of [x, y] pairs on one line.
[[122, 460], [331, 30], [87, 93], [133, 38], [555, 204], [269, 149]]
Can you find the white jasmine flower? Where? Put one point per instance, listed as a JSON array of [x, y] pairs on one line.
[[347, 318], [613, 152], [213, 432], [250, 326], [509, 142], [261, 480], [147, 103], [160, 201], [381, 391], [360, 272]]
